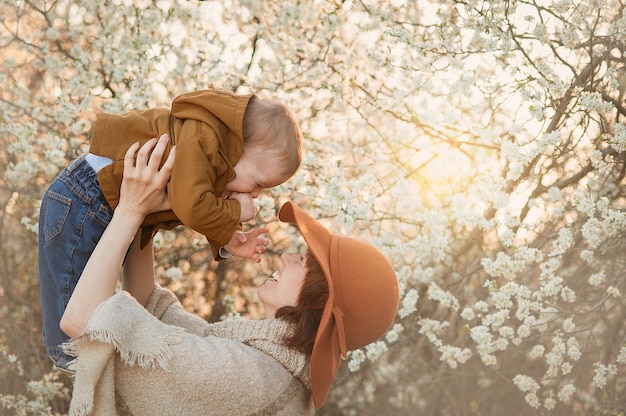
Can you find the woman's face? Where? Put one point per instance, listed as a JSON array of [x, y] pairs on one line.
[[283, 288]]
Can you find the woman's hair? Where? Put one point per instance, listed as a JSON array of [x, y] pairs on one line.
[[307, 313], [271, 131]]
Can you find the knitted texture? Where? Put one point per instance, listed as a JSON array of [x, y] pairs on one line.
[[131, 363]]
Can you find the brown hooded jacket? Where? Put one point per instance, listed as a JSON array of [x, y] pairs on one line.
[[207, 128]]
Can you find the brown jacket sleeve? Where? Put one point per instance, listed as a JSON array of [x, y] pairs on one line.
[[198, 179]]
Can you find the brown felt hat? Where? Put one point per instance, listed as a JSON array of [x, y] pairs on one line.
[[362, 302]]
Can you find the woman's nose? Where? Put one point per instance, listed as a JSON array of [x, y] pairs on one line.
[[289, 257]]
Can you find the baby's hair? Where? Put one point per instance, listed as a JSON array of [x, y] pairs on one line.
[[270, 130]]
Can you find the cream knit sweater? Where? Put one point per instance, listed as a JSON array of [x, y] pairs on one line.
[[162, 360]]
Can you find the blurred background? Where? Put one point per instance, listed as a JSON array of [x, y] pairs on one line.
[[481, 145]]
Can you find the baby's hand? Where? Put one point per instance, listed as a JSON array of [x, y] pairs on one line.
[[248, 210], [249, 244]]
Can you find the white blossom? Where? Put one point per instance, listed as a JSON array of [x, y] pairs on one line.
[[563, 243], [566, 392], [585, 203], [30, 224], [592, 231], [597, 278], [356, 358], [481, 335], [375, 349], [568, 295], [431, 327], [409, 303], [566, 368], [537, 351], [540, 31], [592, 101], [613, 221], [613, 291], [158, 240], [525, 383], [554, 194], [549, 403], [481, 306], [602, 373], [174, 273], [454, 355], [568, 325], [532, 399], [618, 140], [468, 314], [198, 243], [394, 333], [445, 298], [573, 349], [587, 256]]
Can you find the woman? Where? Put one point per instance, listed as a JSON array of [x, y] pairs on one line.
[[140, 353]]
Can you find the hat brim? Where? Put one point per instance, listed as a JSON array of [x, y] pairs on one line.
[[326, 353]]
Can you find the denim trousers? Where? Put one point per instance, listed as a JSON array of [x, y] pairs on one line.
[[73, 216]]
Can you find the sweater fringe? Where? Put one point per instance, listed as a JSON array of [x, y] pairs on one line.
[[129, 354]]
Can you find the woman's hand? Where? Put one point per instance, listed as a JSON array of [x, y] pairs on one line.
[[249, 244], [143, 187]]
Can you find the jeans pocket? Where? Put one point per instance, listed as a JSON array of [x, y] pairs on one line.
[[102, 215], [56, 209]]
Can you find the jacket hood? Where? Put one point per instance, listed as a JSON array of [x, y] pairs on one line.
[[209, 106]]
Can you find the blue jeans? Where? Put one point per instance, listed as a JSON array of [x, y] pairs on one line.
[[73, 216]]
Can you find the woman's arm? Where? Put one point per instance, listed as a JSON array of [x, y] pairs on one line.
[[142, 192], [138, 272], [99, 278]]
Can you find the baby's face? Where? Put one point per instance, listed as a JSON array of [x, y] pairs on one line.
[[253, 176]]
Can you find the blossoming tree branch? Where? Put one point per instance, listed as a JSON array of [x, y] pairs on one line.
[[480, 144]]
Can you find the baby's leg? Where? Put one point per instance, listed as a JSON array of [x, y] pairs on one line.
[[72, 219]]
